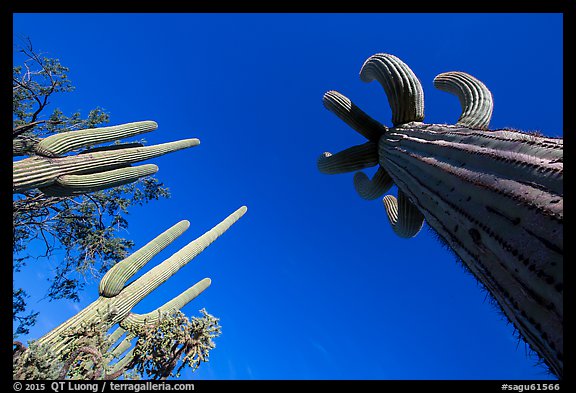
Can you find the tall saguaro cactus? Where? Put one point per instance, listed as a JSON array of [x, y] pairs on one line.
[[495, 197], [117, 298], [55, 173]]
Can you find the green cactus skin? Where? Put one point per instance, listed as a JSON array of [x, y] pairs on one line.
[[351, 159], [58, 144], [94, 169], [175, 304], [375, 187], [475, 98], [115, 306], [70, 185], [405, 218], [494, 197]]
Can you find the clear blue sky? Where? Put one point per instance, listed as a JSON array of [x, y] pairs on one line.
[[311, 283]]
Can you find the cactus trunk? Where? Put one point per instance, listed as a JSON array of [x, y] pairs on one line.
[[500, 212]]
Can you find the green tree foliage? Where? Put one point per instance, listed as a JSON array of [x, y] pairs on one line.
[[84, 229]]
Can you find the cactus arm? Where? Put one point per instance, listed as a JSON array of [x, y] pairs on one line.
[[372, 188], [347, 111], [134, 319], [38, 171], [352, 159], [70, 185], [405, 218], [118, 367], [64, 142], [115, 336], [122, 347], [474, 97], [140, 288], [116, 278], [402, 87], [115, 308]]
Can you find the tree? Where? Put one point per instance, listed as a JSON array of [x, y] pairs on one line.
[[85, 227]]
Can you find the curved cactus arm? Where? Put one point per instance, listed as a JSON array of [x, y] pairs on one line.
[[345, 109], [116, 278], [64, 142], [136, 291], [405, 218], [70, 185], [133, 319], [402, 87], [349, 160], [474, 97], [37, 171], [372, 188]]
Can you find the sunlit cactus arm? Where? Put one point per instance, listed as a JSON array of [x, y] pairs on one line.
[[124, 345], [134, 319], [116, 278], [113, 309], [114, 337], [494, 197], [38, 171], [48, 169], [474, 96], [136, 291], [64, 142], [69, 185]]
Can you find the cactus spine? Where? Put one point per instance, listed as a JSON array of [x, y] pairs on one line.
[[495, 197]]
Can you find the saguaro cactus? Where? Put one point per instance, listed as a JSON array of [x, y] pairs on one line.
[[495, 197], [117, 298], [55, 173]]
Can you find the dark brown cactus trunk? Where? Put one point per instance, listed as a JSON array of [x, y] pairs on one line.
[[500, 211]]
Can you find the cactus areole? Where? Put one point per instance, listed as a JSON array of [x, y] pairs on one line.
[[495, 197]]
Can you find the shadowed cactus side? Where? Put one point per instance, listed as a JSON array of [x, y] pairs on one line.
[[118, 297], [54, 173], [494, 197]]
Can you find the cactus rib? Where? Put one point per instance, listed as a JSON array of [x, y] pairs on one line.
[[352, 159], [372, 188], [116, 308], [474, 97], [58, 144], [402, 87], [405, 218], [68, 185], [177, 303]]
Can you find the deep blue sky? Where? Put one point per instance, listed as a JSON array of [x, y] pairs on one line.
[[311, 283]]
